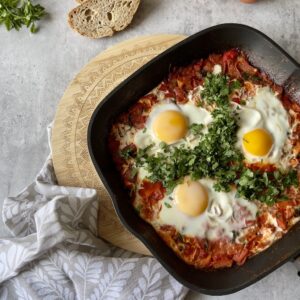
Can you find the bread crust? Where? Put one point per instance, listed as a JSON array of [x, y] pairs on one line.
[[101, 18]]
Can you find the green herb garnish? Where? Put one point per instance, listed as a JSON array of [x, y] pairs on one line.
[[138, 208], [267, 187], [213, 157], [249, 77], [16, 13], [216, 89], [235, 234], [133, 172], [164, 146], [196, 129], [167, 205], [127, 152], [235, 85]]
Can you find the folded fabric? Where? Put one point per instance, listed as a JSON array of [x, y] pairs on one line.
[[56, 254]]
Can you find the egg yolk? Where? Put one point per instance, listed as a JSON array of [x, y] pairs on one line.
[[257, 142], [170, 126], [191, 198]]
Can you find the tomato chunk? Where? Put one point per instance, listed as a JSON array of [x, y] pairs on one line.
[[230, 55], [151, 192]]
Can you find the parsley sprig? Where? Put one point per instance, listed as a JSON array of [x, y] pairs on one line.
[[16, 13]]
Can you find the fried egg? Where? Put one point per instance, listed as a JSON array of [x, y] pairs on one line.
[[169, 123], [195, 209], [264, 127]]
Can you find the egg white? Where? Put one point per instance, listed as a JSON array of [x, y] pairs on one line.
[[225, 213], [146, 137], [264, 111]]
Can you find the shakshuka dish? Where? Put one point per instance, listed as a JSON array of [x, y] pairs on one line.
[[211, 160]]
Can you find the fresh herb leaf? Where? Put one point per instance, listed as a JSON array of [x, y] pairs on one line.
[[128, 152], [253, 78], [142, 154], [167, 205], [267, 187], [16, 13], [235, 234], [138, 208], [125, 153], [164, 146], [235, 85], [133, 172], [215, 156], [179, 238], [246, 76], [196, 129], [216, 89]]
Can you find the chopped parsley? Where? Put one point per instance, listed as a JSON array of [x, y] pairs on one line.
[[215, 156], [126, 153], [196, 129], [138, 208], [164, 146], [267, 187], [235, 85], [253, 78], [167, 205], [133, 172], [141, 154], [216, 89], [235, 234]]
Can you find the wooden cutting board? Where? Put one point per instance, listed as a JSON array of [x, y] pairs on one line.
[[72, 164]]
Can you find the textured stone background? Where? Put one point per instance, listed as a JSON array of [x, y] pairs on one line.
[[36, 69]]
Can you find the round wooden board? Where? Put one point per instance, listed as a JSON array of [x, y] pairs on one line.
[[71, 159]]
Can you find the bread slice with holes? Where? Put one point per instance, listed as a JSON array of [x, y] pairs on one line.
[[100, 18]]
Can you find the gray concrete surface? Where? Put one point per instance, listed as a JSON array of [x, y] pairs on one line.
[[36, 69]]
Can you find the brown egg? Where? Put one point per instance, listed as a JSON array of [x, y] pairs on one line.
[[248, 1]]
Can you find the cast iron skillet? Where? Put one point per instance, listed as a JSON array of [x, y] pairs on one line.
[[265, 54]]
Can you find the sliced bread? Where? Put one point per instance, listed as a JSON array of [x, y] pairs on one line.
[[100, 18]]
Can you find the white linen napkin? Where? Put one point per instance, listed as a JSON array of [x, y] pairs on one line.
[[55, 253]]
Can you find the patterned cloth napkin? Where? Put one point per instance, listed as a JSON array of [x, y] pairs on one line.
[[55, 253]]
